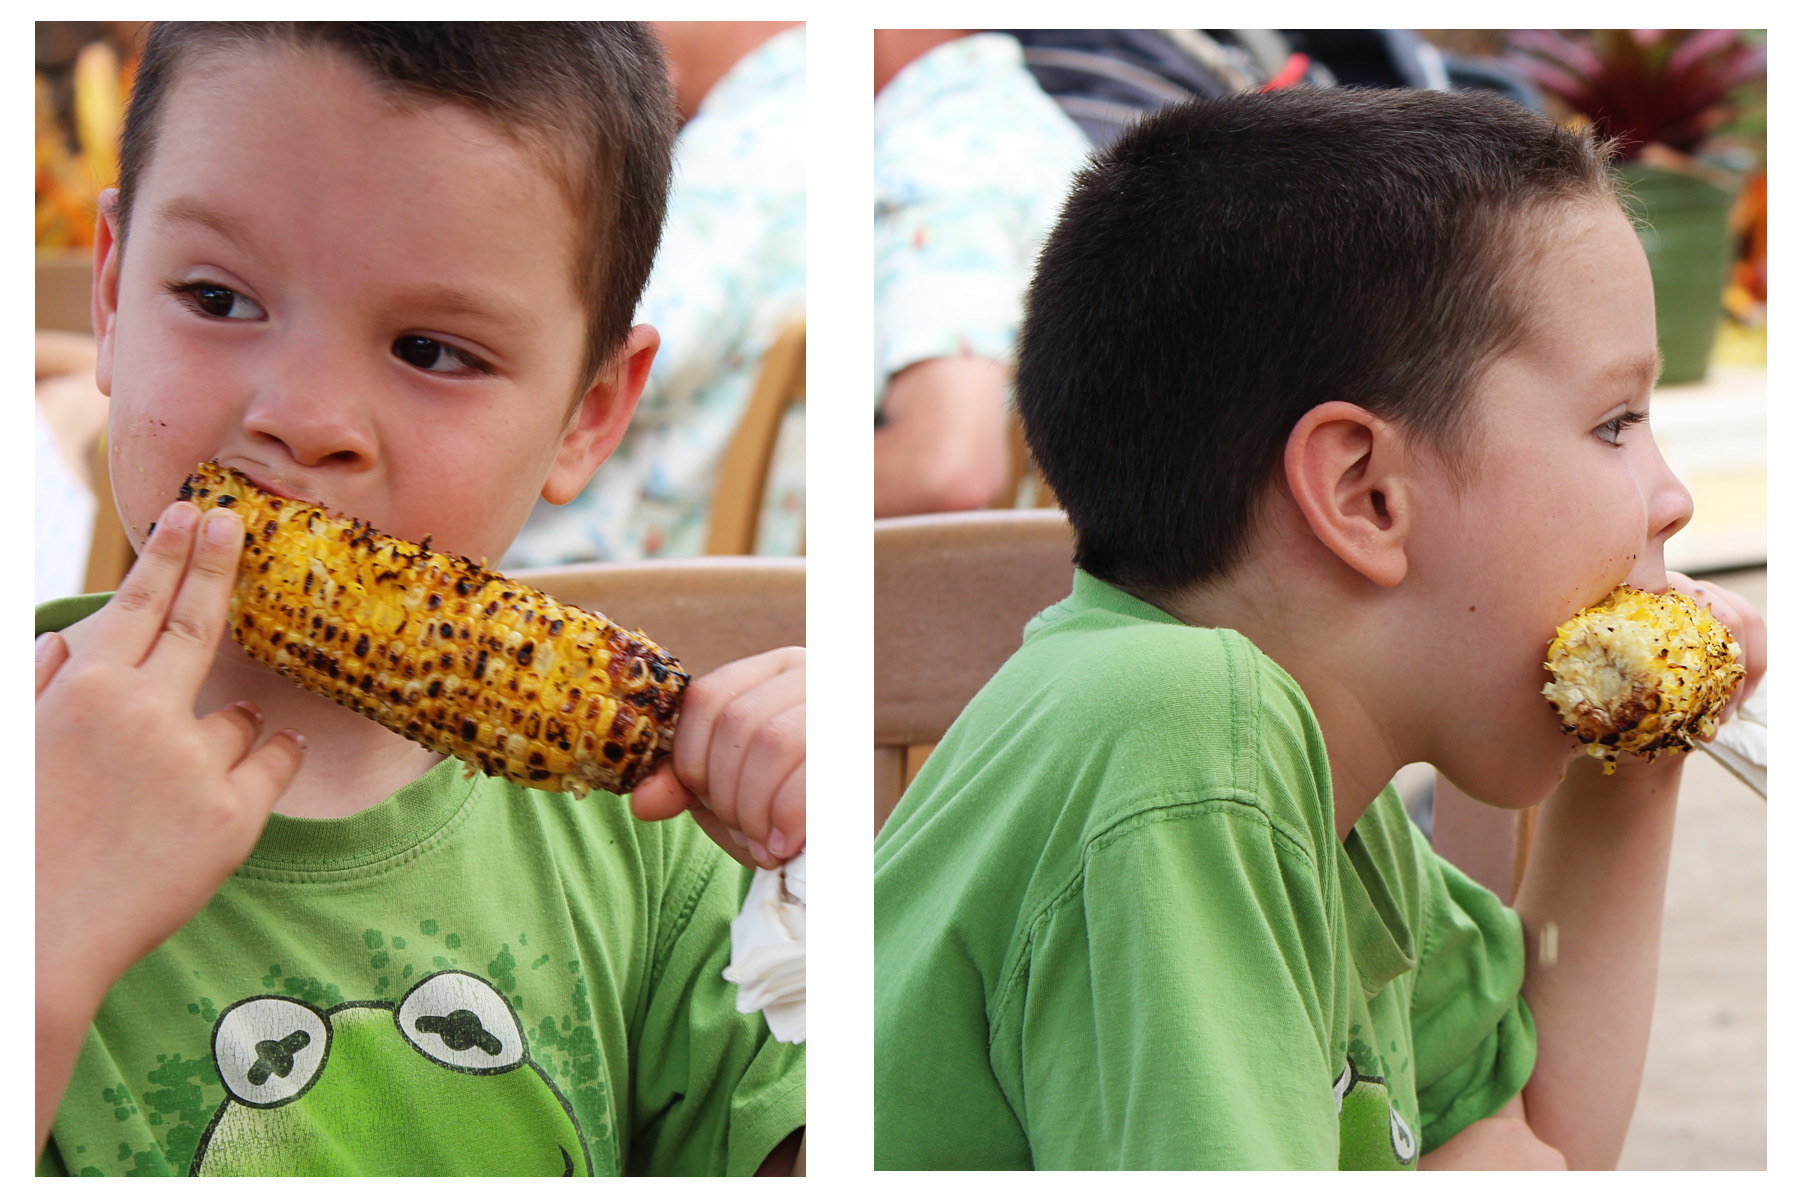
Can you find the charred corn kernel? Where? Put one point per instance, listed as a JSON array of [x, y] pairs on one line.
[[1642, 673], [443, 651]]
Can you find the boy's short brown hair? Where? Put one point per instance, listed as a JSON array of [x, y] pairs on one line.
[[1228, 265], [592, 98]]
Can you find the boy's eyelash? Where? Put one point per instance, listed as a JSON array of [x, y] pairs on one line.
[[187, 291], [471, 362], [1615, 428]]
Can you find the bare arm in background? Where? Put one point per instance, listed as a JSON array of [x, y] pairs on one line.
[[943, 444], [1599, 862]]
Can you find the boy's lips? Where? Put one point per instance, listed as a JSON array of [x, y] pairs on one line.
[[276, 487]]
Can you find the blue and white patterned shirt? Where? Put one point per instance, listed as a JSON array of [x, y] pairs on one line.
[[730, 275], [972, 162]]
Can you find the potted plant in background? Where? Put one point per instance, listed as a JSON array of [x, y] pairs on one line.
[[1664, 94]]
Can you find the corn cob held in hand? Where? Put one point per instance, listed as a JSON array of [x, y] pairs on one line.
[[1642, 673], [443, 651]]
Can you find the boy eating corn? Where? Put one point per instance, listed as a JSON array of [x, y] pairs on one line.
[[1345, 394], [389, 270]]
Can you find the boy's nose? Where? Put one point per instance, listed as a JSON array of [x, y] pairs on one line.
[[1671, 504], [315, 414]]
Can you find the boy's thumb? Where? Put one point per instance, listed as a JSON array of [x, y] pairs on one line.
[[661, 796]]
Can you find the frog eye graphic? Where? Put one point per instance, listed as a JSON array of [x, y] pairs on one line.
[[459, 1020], [1405, 1145], [269, 1049]]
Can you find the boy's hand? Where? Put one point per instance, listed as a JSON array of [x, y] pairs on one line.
[[739, 760], [1502, 1142], [144, 809]]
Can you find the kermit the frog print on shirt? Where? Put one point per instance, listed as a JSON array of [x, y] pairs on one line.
[[444, 1077], [1372, 1135]]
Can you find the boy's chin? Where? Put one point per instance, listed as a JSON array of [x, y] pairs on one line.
[[1521, 783]]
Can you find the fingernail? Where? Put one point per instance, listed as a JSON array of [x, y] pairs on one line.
[[42, 648], [759, 852], [777, 844], [180, 517], [250, 710], [222, 526], [739, 838]]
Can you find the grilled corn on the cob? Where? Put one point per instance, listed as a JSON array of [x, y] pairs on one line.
[[443, 651], [1642, 673]]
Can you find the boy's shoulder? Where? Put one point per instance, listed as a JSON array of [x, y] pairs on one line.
[[1133, 671], [1112, 706]]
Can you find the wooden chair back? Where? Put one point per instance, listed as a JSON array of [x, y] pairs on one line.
[[65, 291], [705, 611], [953, 593], [744, 469], [109, 551]]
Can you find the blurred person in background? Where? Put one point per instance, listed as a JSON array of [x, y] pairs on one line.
[[730, 274], [972, 160], [71, 414]]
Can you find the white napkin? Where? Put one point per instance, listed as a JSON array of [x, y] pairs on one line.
[[1742, 744], [768, 950]]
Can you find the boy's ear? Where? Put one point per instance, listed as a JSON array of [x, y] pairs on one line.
[[599, 420], [1349, 473], [104, 303]]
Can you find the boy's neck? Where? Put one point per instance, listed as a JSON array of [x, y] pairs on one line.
[[1319, 628], [351, 762]]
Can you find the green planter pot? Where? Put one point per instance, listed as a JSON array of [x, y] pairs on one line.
[[1685, 228]]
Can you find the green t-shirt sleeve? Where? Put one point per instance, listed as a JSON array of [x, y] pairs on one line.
[[50, 1162], [1151, 1040], [712, 1092], [1473, 1036]]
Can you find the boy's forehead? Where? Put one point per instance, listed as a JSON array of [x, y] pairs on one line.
[[267, 86], [260, 112]]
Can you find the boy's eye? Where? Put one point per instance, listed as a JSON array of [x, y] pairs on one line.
[[1613, 432], [429, 354], [216, 301]]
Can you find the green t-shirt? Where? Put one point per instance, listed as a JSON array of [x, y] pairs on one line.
[[1114, 928], [468, 978]]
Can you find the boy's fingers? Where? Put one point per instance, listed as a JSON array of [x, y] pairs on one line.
[[721, 833], [1747, 626], [240, 724], [788, 817], [751, 727], [51, 653], [708, 696], [660, 796], [265, 773], [776, 745], [197, 617], [128, 627]]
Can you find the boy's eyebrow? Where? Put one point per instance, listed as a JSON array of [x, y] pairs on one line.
[[1637, 371], [189, 210], [447, 300]]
